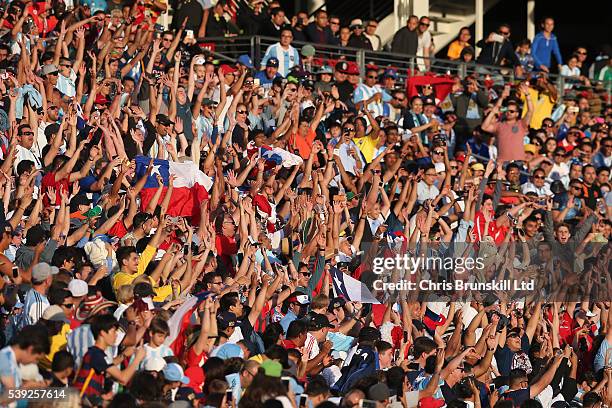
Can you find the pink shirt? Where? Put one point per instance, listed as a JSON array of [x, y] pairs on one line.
[[510, 137]]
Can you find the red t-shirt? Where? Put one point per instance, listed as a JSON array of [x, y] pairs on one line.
[[192, 359], [49, 181], [498, 233]]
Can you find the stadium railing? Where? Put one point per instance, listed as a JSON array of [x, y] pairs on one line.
[[229, 48]]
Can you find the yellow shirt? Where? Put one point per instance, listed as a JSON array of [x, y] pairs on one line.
[[454, 50], [542, 107], [58, 342], [367, 145], [123, 278]]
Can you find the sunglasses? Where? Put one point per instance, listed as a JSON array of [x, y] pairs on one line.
[[399, 99], [539, 177], [504, 32], [347, 130], [511, 111], [242, 112], [440, 152], [581, 53], [372, 76], [424, 24], [68, 305]]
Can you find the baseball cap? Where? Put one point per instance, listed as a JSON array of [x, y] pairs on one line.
[[272, 62], [318, 321], [49, 69], [342, 66], [42, 271], [353, 69], [164, 120], [298, 297], [356, 23], [325, 69], [154, 364], [531, 148], [226, 319], [174, 372], [78, 288], [390, 73], [271, 368], [428, 101], [308, 50], [245, 60], [336, 303], [514, 332], [55, 313], [477, 167], [143, 290], [227, 69]]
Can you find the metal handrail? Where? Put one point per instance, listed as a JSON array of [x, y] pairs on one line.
[[405, 64]]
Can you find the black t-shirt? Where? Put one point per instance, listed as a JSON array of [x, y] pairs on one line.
[[518, 396], [192, 10], [345, 90]]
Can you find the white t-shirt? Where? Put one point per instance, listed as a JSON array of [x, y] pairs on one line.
[[424, 42]]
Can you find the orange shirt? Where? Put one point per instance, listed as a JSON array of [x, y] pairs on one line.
[[303, 145]]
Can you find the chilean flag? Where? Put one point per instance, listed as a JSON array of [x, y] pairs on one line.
[[434, 316], [190, 185], [274, 156], [181, 320]]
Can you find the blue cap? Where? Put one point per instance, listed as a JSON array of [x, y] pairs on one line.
[[391, 73], [325, 69], [272, 62], [174, 372], [228, 350], [246, 61]]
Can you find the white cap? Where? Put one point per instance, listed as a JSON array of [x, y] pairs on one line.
[[78, 287], [149, 302], [154, 364], [55, 313]]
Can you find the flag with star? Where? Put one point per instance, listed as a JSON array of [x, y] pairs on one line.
[[190, 185], [350, 288]]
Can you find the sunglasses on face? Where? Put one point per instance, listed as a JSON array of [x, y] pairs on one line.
[[504, 32], [424, 24], [539, 177]]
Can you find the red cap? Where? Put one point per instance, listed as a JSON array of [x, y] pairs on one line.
[[460, 158], [101, 100], [353, 69], [227, 69]]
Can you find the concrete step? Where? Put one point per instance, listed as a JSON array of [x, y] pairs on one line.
[[444, 20]]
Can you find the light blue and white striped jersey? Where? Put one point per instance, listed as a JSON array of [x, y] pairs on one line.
[[153, 352], [9, 367], [205, 127], [34, 306], [286, 58], [364, 92], [81, 339]]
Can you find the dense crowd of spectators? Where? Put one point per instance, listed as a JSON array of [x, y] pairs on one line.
[[180, 232]]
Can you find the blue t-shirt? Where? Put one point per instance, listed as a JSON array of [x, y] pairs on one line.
[[505, 357]]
